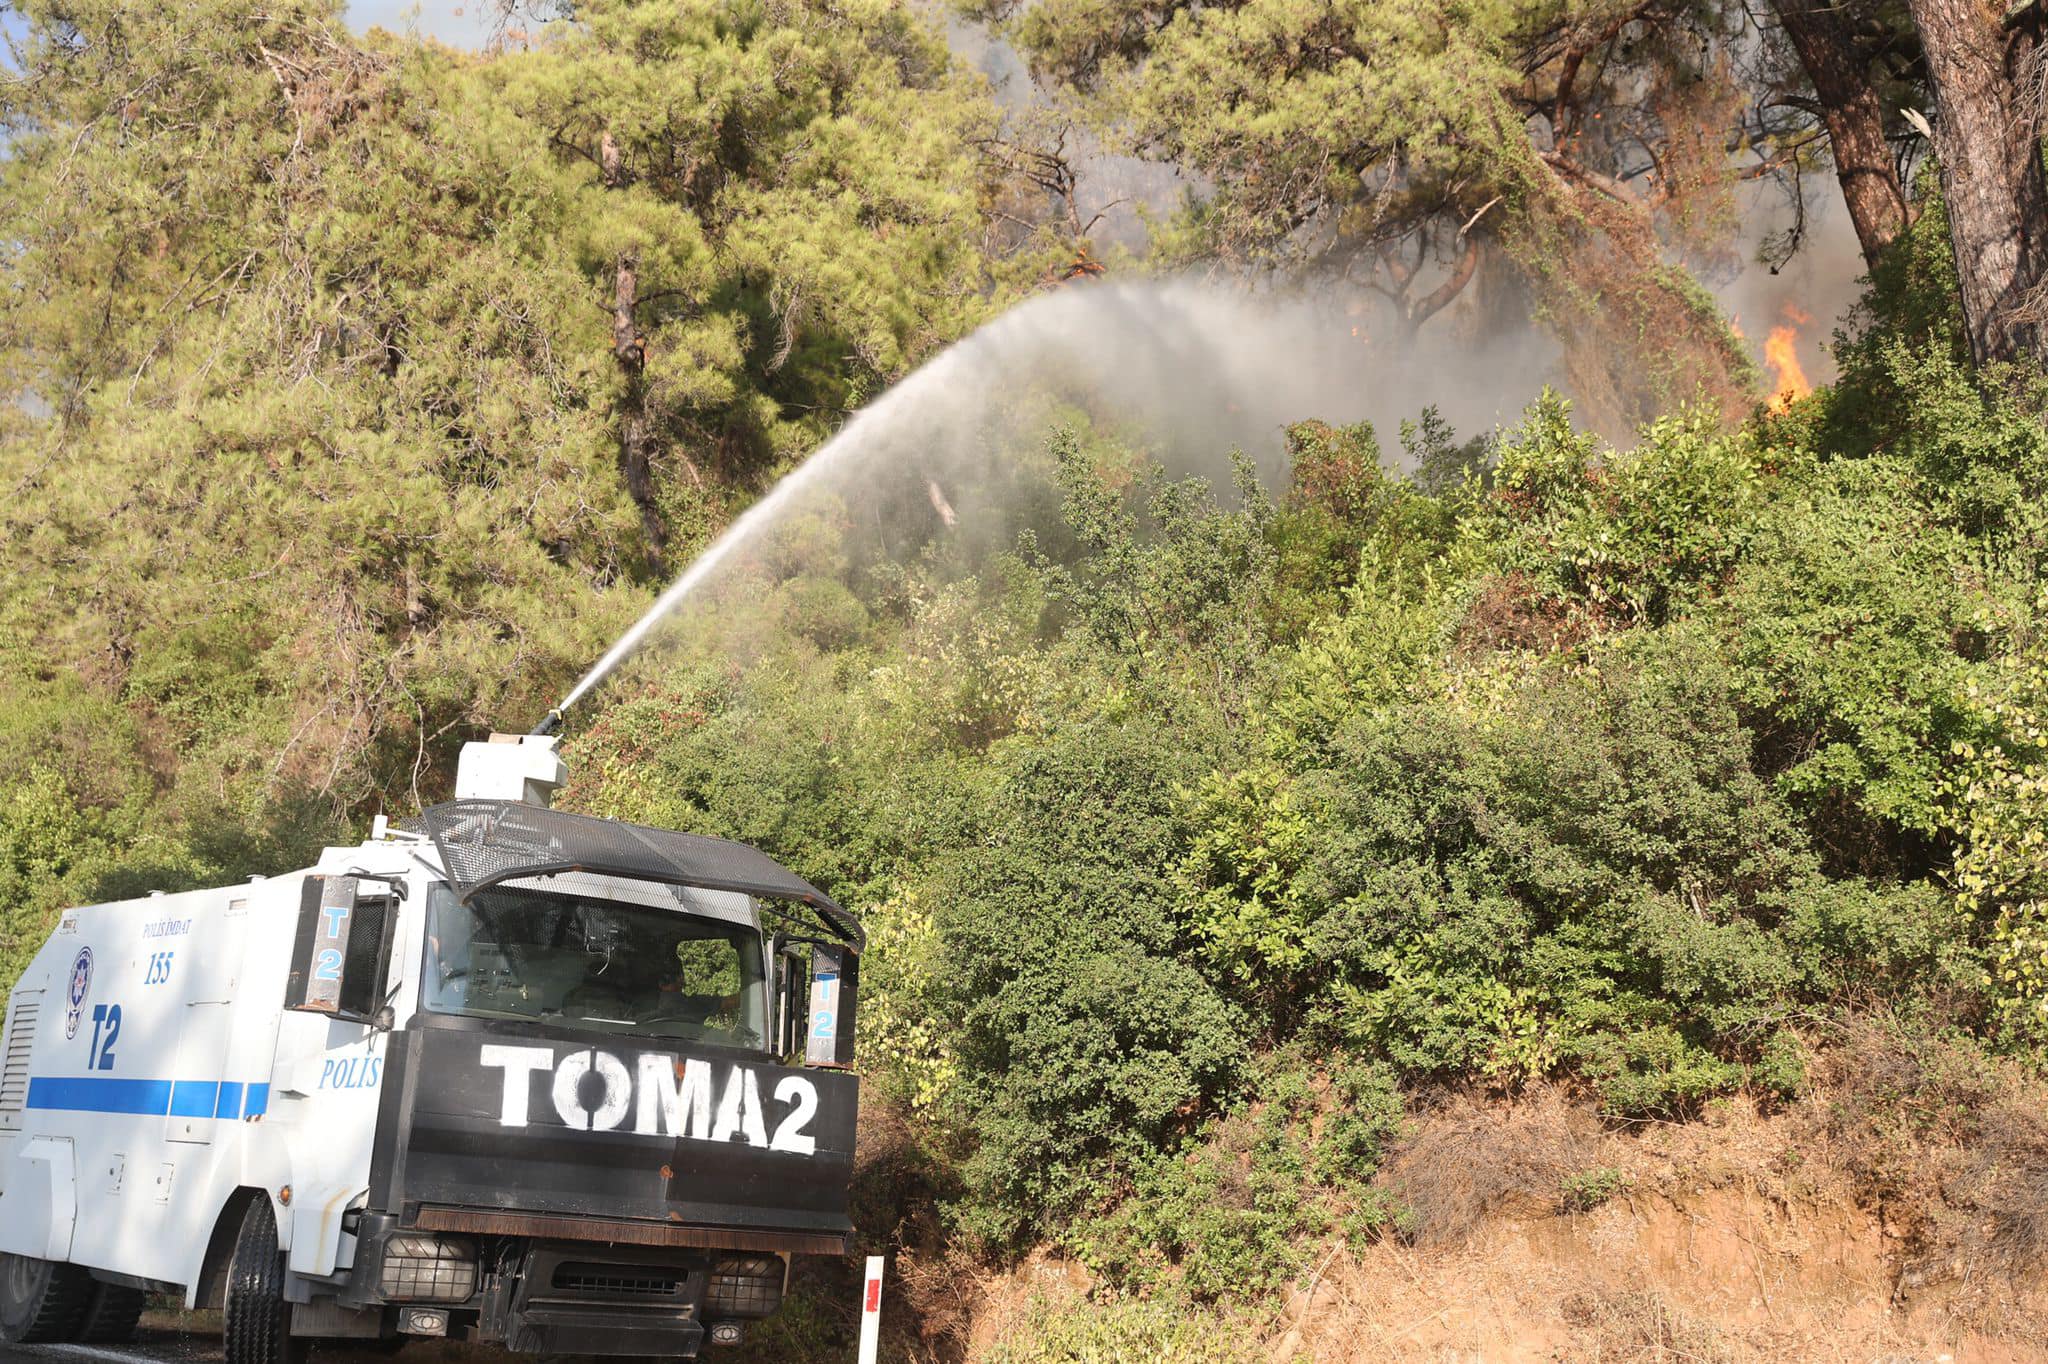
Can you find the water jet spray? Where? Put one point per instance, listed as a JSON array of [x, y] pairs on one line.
[[1196, 371]]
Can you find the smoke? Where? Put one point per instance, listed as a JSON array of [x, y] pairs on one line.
[[1185, 374], [1179, 372], [1114, 191]]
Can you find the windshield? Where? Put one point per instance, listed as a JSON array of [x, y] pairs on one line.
[[567, 959]]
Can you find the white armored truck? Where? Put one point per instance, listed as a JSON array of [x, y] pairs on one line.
[[501, 1073]]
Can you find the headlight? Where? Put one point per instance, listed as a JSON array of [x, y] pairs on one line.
[[744, 1286], [427, 1269]]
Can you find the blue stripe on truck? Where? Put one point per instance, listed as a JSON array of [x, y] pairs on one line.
[[100, 1095], [194, 1098], [150, 1098]]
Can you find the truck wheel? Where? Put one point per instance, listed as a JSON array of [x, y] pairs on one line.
[[41, 1300], [258, 1319], [111, 1315]]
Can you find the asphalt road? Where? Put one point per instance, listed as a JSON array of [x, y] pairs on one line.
[[193, 1347], [149, 1345], [169, 1339]]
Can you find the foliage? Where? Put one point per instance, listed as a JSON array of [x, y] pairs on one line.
[[1605, 762], [319, 453], [1912, 307], [1346, 516], [1588, 1189], [1629, 539], [1183, 580], [1233, 1216], [1404, 143], [1844, 629], [900, 991], [1131, 1331], [1085, 1039], [2001, 867]]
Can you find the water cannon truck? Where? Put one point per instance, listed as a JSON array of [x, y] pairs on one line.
[[499, 1073]]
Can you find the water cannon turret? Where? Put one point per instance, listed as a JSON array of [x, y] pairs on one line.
[[511, 767]]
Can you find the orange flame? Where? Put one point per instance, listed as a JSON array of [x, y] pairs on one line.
[[1781, 353]]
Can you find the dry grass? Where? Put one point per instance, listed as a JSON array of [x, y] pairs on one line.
[[1948, 1149], [943, 1297], [1634, 1324], [1472, 1160], [1743, 1237]]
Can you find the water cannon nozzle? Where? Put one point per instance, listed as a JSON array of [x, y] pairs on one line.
[[550, 723]]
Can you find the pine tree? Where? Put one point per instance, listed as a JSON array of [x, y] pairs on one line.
[[359, 382]]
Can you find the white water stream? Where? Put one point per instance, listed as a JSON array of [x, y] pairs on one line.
[[1193, 369]]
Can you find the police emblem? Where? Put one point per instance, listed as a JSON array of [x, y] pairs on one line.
[[81, 986]]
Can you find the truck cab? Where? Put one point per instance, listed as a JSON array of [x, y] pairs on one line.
[[501, 1073]]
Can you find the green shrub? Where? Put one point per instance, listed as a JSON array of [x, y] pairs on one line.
[[1844, 628], [1616, 764], [2000, 795], [1344, 510], [1622, 537], [1588, 1189], [1084, 1040], [1588, 871], [1235, 1214]]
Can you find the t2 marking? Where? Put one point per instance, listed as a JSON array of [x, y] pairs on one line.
[[100, 1054]]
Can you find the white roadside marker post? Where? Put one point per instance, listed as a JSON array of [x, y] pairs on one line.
[[871, 1311]]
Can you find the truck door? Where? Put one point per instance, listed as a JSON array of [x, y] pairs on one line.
[[331, 1043], [212, 963]]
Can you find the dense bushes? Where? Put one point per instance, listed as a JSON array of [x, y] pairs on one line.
[[1190, 829], [1261, 1188], [1084, 1040]]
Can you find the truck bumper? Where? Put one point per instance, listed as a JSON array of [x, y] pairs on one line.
[[563, 1297], [596, 1300], [555, 1330]]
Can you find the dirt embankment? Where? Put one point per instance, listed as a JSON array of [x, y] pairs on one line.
[[1552, 1236], [1898, 1213]]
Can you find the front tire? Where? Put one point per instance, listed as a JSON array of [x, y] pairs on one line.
[[258, 1319], [41, 1300]]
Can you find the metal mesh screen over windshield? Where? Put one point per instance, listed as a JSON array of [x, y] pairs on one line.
[[484, 842], [598, 964], [363, 971]]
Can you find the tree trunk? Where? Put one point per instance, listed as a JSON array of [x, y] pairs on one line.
[[1987, 139], [629, 348], [1855, 122], [1435, 301]]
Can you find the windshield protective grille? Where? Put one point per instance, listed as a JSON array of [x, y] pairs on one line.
[[484, 842]]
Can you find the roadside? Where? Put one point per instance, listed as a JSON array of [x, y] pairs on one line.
[[1896, 1212], [173, 1337]]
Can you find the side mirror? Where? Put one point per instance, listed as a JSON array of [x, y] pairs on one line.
[[338, 959], [835, 989]]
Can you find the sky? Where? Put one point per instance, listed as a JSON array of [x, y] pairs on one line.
[[459, 23]]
